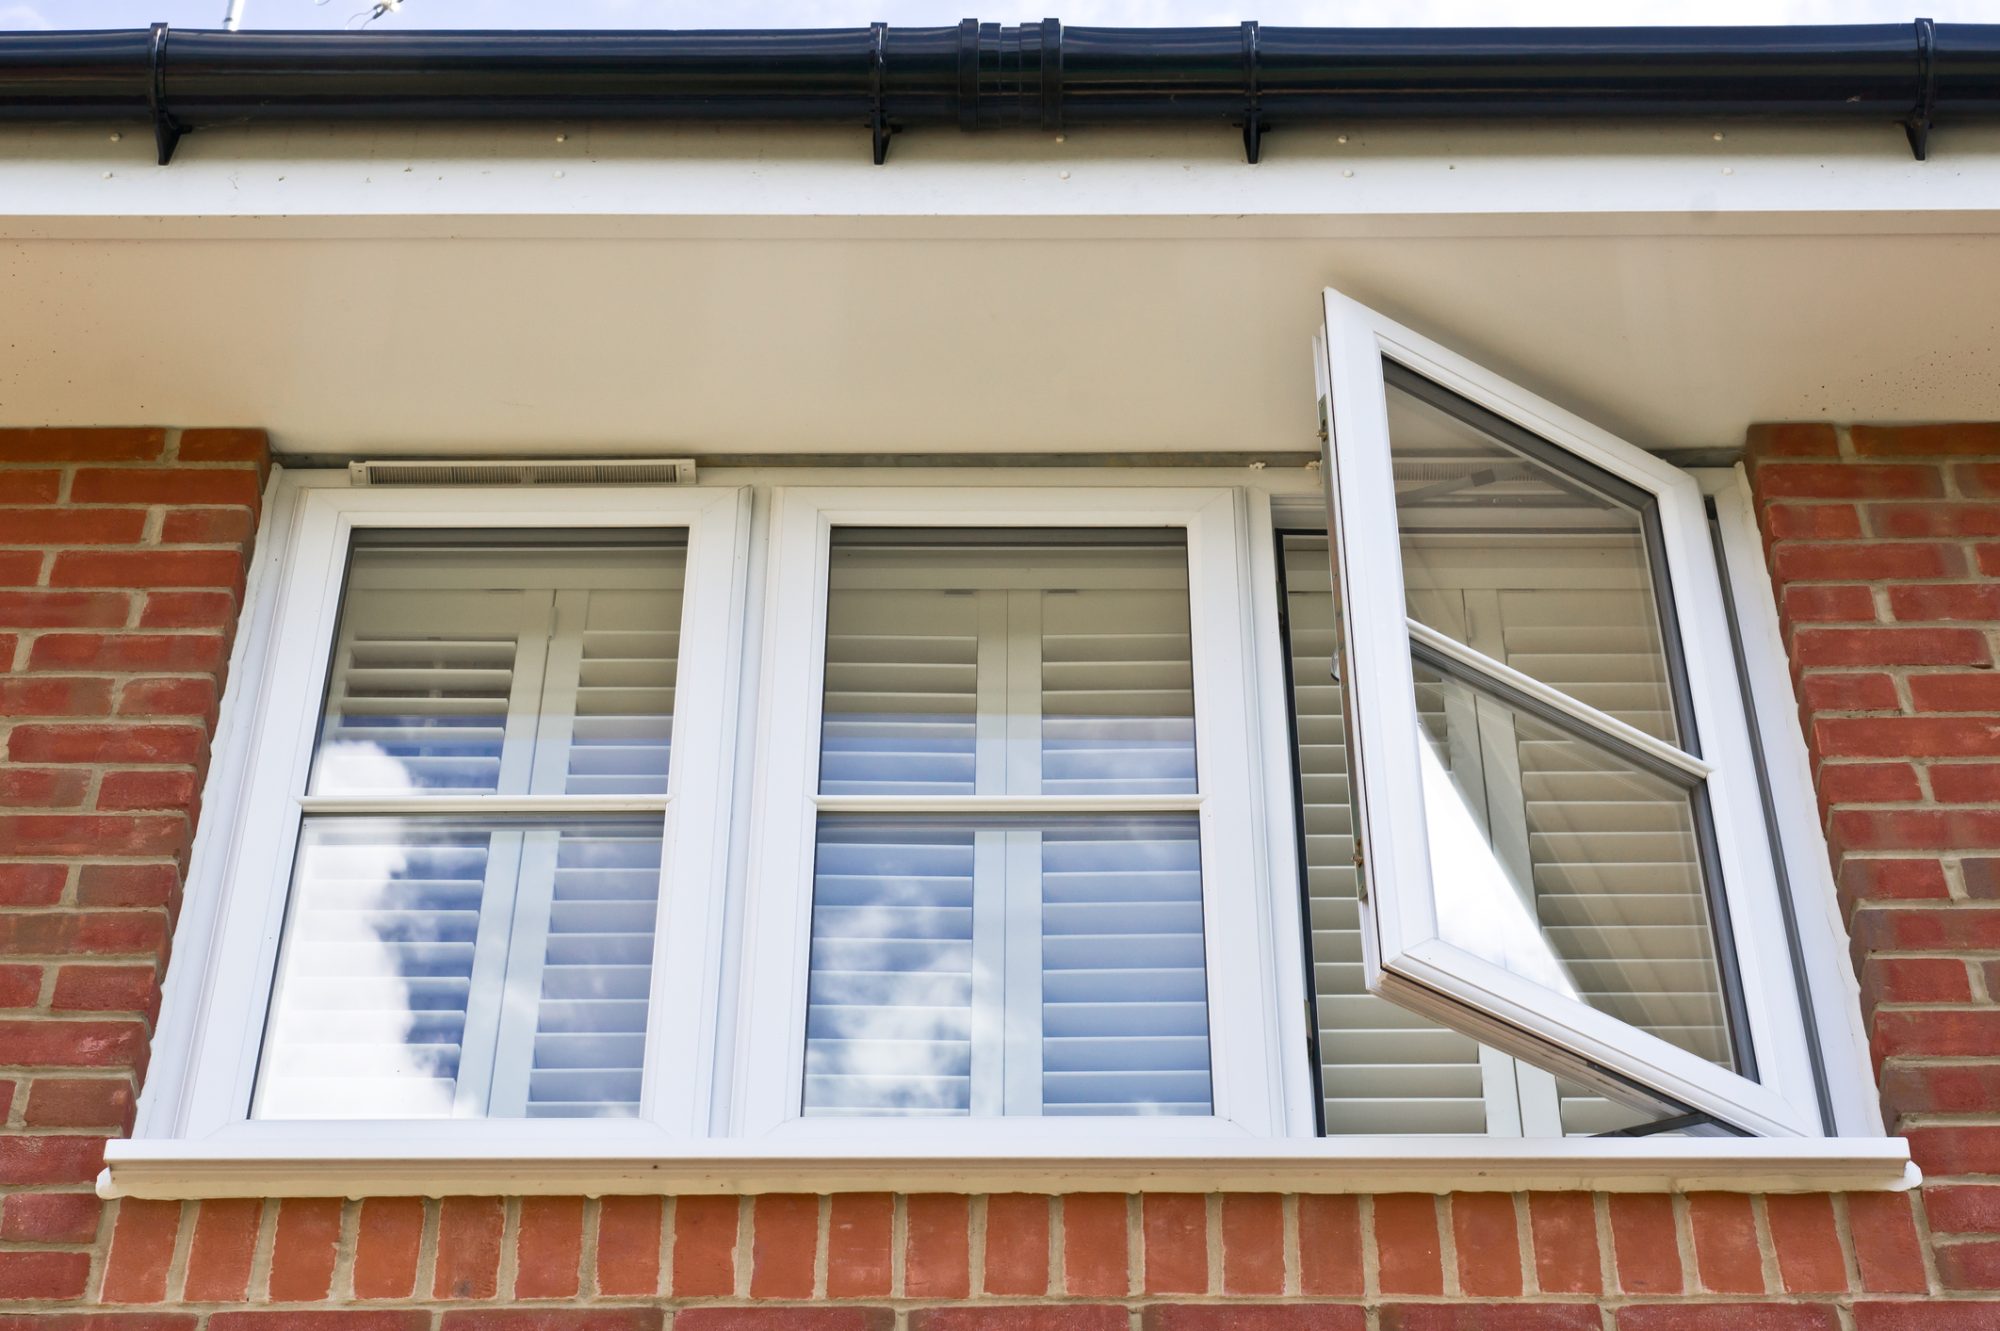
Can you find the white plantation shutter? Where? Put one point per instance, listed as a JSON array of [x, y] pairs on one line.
[[1042, 963], [538, 668]]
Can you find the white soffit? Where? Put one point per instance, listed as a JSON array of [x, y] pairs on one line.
[[476, 291]]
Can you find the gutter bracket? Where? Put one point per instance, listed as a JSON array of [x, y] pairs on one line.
[[1253, 108], [166, 130], [1918, 126], [878, 78]]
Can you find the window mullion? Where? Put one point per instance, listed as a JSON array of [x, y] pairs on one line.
[[555, 722], [1023, 881], [989, 863]]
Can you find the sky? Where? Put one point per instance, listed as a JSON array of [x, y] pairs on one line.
[[29, 15]]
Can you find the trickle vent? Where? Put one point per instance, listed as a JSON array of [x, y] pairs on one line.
[[579, 471]]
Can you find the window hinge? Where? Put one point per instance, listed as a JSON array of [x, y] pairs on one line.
[[1325, 421], [1360, 873]]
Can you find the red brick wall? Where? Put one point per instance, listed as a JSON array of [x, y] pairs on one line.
[[121, 556]]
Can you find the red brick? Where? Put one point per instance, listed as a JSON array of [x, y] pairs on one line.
[[1094, 1244], [223, 445], [32, 884], [80, 1102], [1965, 783], [147, 568], [628, 1246], [1644, 1247], [20, 986], [387, 1239], [1863, 879], [1947, 1089], [1727, 1255], [1825, 692], [1564, 1228], [784, 1245], [1860, 783], [142, 1248], [1889, 647], [67, 444], [1921, 1315], [468, 1247], [303, 1248], [1937, 518], [1255, 1317], [36, 742], [20, 568], [1916, 829], [1907, 737], [106, 989], [1792, 439], [1061, 1317], [1989, 559], [1017, 1243], [50, 1217], [1407, 1244], [705, 1246], [1863, 561], [1728, 1317], [1963, 1208], [860, 1246], [119, 791], [1944, 1033], [72, 526], [1175, 1226], [1823, 601], [204, 526], [126, 651], [127, 884], [548, 1248], [82, 931], [1830, 480], [166, 485], [1253, 1243], [225, 1243], [1945, 601], [1915, 980], [1968, 1265], [784, 1319], [188, 610], [1915, 441], [92, 834], [43, 1275], [1488, 1246], [553, 1319], [1885, 1243], [936, 1248], [63, 609], [28, 487], [1956, 693], [42, 788], [1979, 479], [1462, 1316], [1811, 522], [1329, 1245], [321, 1319], [72, 1044], [170, 695]]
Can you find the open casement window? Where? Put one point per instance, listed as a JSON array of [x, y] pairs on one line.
[[482, 855], [1557, 830], [1007, 818]]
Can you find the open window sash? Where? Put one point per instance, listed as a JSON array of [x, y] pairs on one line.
[[1558, 836]]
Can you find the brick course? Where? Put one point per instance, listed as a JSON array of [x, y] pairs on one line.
[[122, 558]]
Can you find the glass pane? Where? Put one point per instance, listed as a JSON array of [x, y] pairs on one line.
[[1383, 1069], [1007, 966], [503, 663], [452, 968], [1020, 663], [1558, 860], [1528, 565]]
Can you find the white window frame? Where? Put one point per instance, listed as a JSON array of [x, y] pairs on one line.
[[1245, 1064], [212, 1103], [1406, 958]]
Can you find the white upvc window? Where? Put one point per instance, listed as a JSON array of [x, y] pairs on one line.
[[473, 863], [1562, 848], [1005, 878]]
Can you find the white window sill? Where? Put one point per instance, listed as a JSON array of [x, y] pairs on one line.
[[186, 1169]]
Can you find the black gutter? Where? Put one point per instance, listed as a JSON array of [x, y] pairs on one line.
[[985, 76]]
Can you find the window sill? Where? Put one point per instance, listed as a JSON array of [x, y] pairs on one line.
[[188, 1169]]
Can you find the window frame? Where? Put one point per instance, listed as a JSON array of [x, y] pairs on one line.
[[1245, 1060], [213, 1101], [1406, 958]]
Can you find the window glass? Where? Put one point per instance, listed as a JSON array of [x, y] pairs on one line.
[[1046, 959], [481, 965]]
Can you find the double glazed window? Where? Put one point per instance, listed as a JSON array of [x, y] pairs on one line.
[[1017, 809]]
